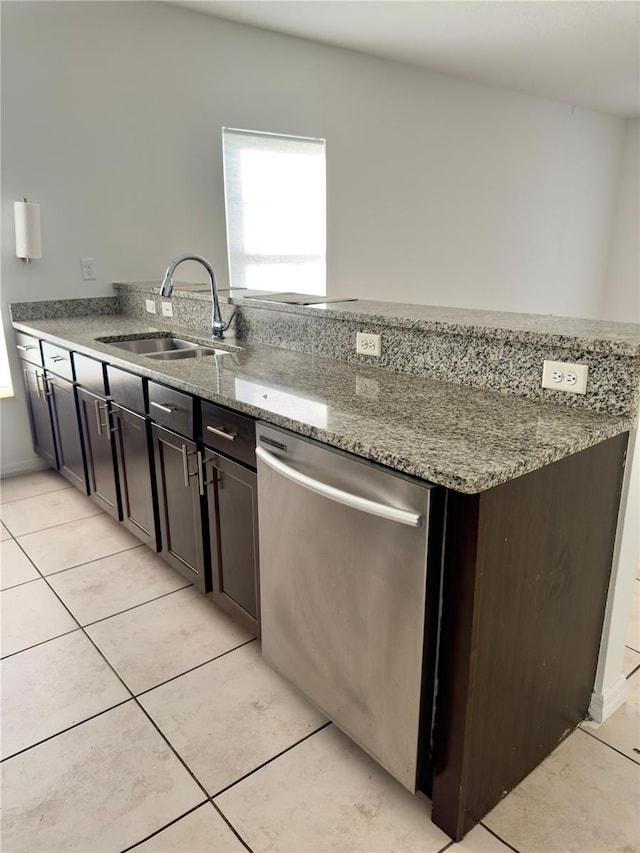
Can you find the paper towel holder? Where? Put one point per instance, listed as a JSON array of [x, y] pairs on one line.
[[27, 226]]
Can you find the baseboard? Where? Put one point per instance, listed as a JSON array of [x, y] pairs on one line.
[[604, 704], [23, 466]]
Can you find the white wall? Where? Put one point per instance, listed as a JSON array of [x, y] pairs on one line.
[[621, 298]]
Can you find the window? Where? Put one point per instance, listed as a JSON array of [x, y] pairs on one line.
[[275, 198], [6, 387]]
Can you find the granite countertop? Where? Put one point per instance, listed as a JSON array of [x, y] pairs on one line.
[[456, 436]]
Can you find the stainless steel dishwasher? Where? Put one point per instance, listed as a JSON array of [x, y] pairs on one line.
[[350, 584]]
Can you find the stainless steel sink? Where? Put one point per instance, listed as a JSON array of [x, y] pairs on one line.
[[194, 352], [164, 348]]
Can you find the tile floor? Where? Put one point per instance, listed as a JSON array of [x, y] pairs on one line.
[[138, 715]]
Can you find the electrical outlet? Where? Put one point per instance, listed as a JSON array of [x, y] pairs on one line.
[[167, 309], [367, 344], [150, 306], [88, 269], [564, 376]]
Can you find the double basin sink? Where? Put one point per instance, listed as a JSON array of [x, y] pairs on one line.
[[165, 348]]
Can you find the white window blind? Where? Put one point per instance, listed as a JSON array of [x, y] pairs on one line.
[[275, 197]]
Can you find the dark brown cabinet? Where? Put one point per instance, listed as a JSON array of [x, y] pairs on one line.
[[179, 484], [134, 475], [66, 430], [232, 506], [97, 432], [39, 412]]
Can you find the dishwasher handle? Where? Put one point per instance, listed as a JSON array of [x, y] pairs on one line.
[[411, 519]]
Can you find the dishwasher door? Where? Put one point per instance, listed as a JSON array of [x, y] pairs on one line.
[[343, 574]]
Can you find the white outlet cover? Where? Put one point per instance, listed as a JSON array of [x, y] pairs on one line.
[[368, 344], [150, 306], [565, 376], [167, 309]]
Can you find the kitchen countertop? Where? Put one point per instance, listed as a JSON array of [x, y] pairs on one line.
[[463, 438]]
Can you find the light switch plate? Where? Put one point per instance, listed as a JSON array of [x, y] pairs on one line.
[[167, 309], [150, 306]]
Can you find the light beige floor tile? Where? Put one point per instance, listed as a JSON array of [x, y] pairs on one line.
[[166, 637], [583, 797], [326, 796], [230, 716], [479, 840], [100, 787], [31, 614], [631, 661], [622, 729], [105, 587], [4, 533], [202, 831], [77, 542], [53, 686], [15, 566], [33, 483], [633, 631], [45, 511]]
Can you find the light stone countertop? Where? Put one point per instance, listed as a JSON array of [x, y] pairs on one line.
[[463, 438]]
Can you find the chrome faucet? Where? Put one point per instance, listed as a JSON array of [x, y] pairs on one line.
[[218, 326]]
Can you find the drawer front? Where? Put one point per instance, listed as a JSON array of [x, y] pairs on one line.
[[57, 360], [230, 433], [171, 408], [126, 389], [89, 373], [28, 348]]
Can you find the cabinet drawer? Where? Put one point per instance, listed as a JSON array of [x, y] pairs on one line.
[[230, 433], [171, 408], [89, 373], [126, 389], [29, 348], [57, 360]]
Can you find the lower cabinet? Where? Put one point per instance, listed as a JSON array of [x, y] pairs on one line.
[[97, 432], [232, 507], [66, 430], [39, 412], [137, 499], [179, 484]]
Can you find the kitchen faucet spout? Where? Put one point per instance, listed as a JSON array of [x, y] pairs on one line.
[[218, 326]]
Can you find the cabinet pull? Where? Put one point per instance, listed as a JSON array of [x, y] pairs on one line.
[[25, 348], [99, 423], [58, 358], [185, 467], [163, 408], [200, 473], [47, 389], [38, 387], [230, 436]]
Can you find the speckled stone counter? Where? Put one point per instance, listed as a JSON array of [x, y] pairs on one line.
[[483, 349], [465, 438]]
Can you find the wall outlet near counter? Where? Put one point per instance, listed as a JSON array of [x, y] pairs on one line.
[[367, 344], [88, 269], [150, 305], [167, 309], [565, 376]]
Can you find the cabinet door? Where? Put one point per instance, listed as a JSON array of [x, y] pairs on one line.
[[39, 413], [66, 429], [232, 502], [134, 475], [98, 444], [178, 486]]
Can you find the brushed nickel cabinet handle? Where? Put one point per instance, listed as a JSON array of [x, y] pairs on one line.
[[26, 348], [58, 358], [163, 408], [230, 436]]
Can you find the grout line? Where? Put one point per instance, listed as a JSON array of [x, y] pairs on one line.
[[135, 606], [58, 524], [499, 837], [37, 495], [608, 745], [166, 826], [231, 826], [88, 562], [193, 668], [41, 643], [269, 760], [68, 729], [31, 580], [446, 847]]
